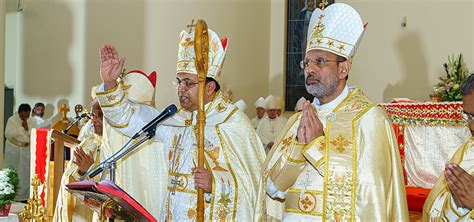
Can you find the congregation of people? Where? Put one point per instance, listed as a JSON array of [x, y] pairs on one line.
[[333, 157]]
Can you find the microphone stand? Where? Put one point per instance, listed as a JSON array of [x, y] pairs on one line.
[[72, 124], [112, 163]]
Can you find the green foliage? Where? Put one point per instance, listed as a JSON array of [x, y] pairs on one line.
[[8, 185], [449, 85]]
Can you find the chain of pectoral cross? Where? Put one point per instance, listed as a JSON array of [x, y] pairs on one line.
[[177, 140], [273, 131], [178, 163]]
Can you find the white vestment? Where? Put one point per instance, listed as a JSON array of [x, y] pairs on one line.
[[42, 123], [269, 129], [234, 156]]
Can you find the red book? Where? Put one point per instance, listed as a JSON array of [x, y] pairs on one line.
[[93, 194]]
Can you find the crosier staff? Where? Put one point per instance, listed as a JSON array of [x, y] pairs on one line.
[[201, 47]]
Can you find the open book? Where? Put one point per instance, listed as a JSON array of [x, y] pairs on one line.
[[93, 194]]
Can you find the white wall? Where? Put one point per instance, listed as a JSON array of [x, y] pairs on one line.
[[393, 61], [53, 45]]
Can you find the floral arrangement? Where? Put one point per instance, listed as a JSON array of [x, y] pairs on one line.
[[449, 85], [8, 185]]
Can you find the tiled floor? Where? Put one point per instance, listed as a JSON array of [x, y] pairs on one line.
[[17, 207]]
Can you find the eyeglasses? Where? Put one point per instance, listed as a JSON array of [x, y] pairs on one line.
[[467, 116], [319, 62], [184, 83]]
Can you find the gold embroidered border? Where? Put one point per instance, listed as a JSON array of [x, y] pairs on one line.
[[339, 41], [211, 103], [288, 127], [228, 163], [187, 71], [296, 143], [290, 159], [295, 195], [115, 103], [452, 207], [326, 169], [117, 126], [332, 50], [355, 162], [108, 91], [182, 190]]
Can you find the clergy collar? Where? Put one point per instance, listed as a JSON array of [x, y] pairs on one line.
[[331, 105]]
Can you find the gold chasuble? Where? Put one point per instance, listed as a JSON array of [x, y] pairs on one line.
[[439, 205], [352, 173]]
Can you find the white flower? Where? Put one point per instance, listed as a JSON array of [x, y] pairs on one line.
[[5, 189]]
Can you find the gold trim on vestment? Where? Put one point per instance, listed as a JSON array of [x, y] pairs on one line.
[[228, 162], [117, 126], [293, 201], [354, 114], [115, 103], [108, 91]]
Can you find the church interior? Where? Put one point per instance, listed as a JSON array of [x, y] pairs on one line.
[[51, 55]]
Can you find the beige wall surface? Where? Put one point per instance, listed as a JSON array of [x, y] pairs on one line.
[[394, 61], [52, 46], [52, 52]]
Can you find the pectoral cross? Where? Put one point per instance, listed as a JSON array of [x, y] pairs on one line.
[[191, 26], [176, 142], [175, 181], [273, 131]]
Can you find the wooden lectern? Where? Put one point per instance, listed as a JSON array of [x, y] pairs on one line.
[[49, 173], [61, 140]]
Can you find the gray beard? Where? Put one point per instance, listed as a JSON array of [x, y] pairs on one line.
[[319, 90]]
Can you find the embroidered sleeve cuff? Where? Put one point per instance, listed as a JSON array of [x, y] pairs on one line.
[[295, 153], [273, 191], [111, 97], [286, 170], [312, 152], [76, 176]]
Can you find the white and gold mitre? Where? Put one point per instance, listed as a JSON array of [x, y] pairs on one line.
[[272, 102], [139, 86], [337, 29], [186, 55], [260, 103]]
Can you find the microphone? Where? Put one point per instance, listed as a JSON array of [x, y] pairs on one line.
[[84, 115], [76, 119], [151, 126]]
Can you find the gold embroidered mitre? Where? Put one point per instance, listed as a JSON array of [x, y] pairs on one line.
[[186, 54], [337, 29]]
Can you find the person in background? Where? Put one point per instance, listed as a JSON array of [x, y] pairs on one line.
[[17, 148], [260, 110], [452, 197]]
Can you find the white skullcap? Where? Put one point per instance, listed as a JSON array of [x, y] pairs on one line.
[[260, 102]]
